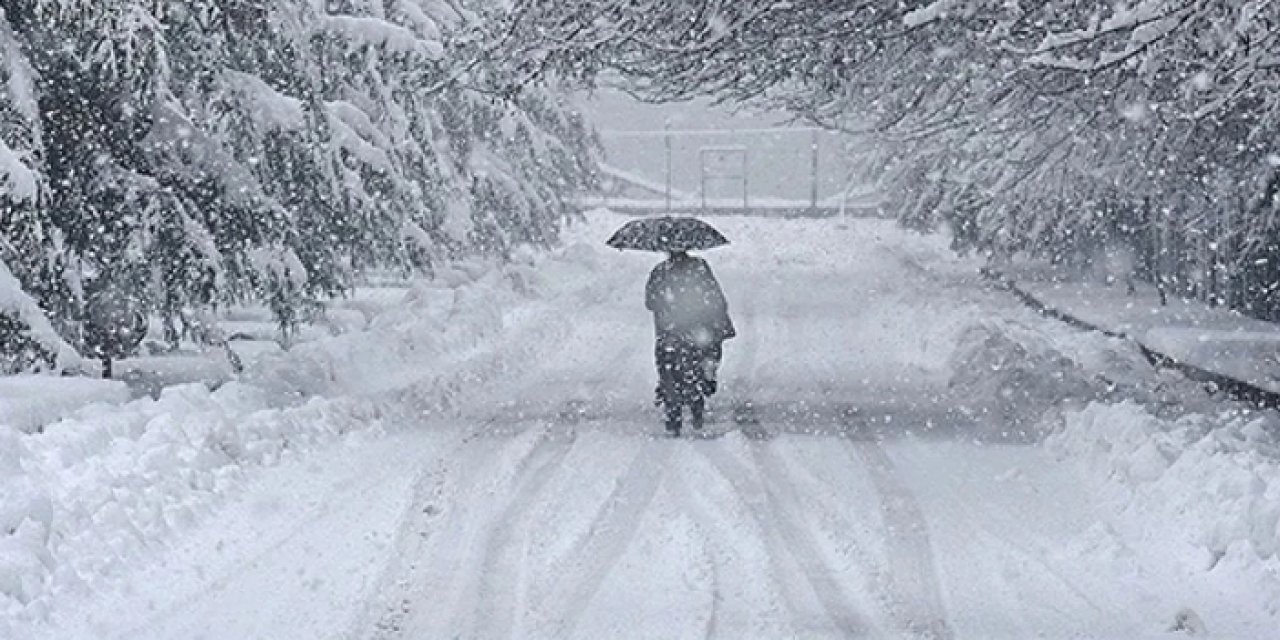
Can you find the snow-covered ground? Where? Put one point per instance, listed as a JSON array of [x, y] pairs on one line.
[[897, 450]]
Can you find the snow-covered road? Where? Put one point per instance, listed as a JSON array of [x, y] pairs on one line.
[[841, 491]]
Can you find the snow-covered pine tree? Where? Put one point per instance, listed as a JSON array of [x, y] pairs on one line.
[[21, 179], [197, 153], [100, 72], [23, 346]]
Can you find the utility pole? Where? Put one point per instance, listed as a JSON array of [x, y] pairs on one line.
[[666, 139], [813, 170]]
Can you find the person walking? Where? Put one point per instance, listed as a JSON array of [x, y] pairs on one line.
[[691, 322]]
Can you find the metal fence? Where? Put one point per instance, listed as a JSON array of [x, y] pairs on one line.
[[776, 168]]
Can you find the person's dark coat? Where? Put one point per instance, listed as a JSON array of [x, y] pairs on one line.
[[687, 302]]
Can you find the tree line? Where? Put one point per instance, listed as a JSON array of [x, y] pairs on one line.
[[1058, 128], [183, 155]]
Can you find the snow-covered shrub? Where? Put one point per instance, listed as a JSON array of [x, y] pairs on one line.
[[18, 352]]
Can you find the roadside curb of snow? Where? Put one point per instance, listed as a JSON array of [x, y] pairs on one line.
[[92, 491], [1206, 487], [1233, 387]]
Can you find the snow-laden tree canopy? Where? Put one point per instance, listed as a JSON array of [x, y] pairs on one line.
[[1051, 127], [191, 153], [27, 340]]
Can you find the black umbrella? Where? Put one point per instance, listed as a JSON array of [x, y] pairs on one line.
[[666, 233]]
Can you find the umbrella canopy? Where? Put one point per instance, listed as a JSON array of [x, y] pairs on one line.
[[667, 233]]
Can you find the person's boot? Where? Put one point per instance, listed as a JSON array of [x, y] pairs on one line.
[[673, 428]]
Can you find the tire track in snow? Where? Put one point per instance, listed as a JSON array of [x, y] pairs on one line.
[[493, 587], [786, 537], [712, 629], [393, 601], [608, 537], [437, 569], [702, 520], [375, 616], [915, 594]]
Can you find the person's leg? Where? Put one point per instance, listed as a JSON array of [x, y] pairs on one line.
[[667, 357], [688, 371], [695, 413], [660, 360], [682, 378], [673, 412], [710, 365]]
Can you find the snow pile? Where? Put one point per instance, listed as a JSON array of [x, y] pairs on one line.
[[25, 512], [94, 490], [1010, 375], [89, 494], [101, 485], [1212, 338], [1213, 478]]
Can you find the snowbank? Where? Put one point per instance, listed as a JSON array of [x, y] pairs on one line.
[[28, 402], [87, 496], [1215, 478]]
